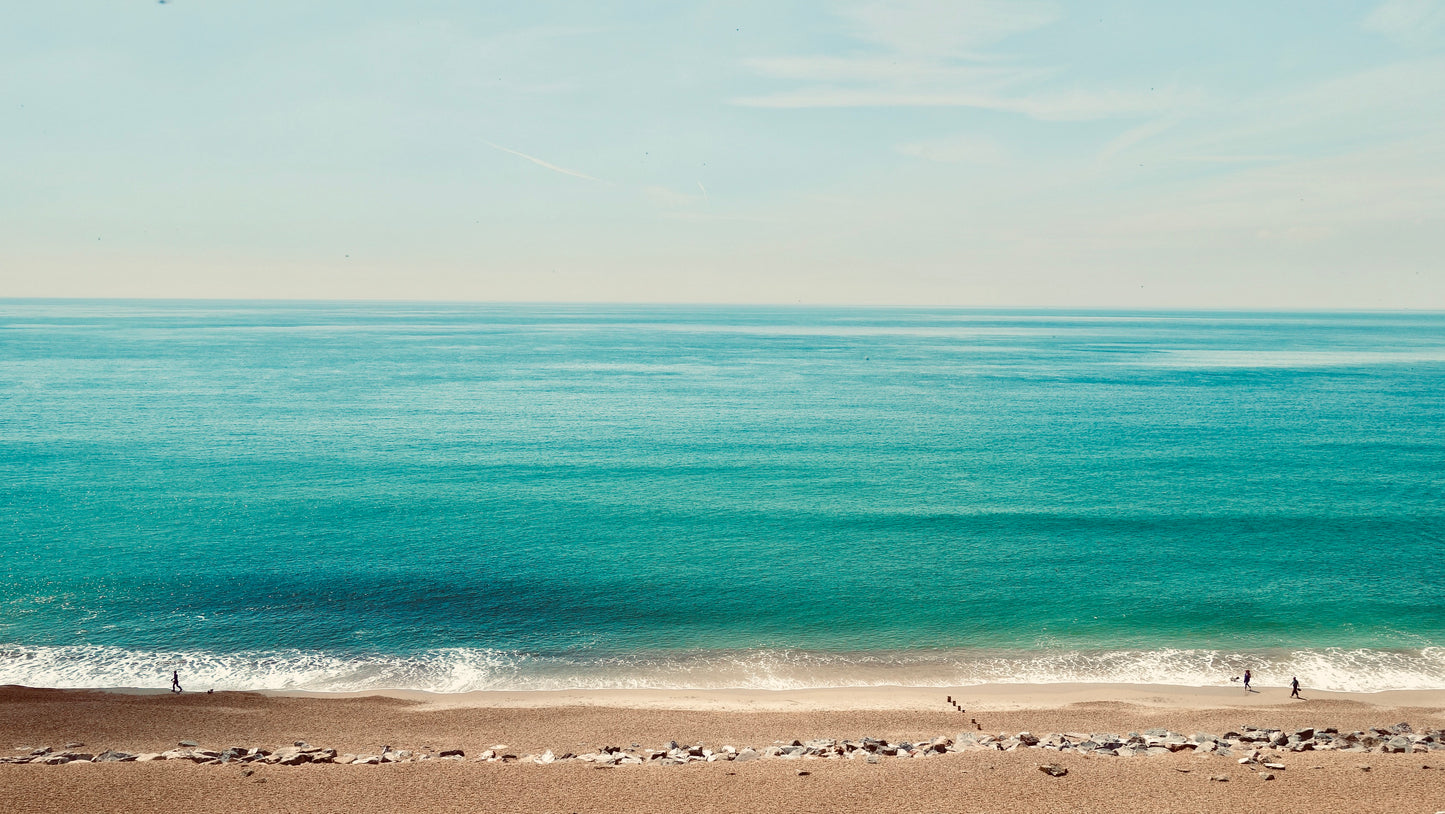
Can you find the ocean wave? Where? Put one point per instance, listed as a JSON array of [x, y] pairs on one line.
[[466, 669]]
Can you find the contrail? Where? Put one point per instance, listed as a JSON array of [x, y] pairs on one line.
[[704, 192], [539, 162]]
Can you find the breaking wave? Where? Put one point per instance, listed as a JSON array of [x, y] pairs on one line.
[[467, 669]]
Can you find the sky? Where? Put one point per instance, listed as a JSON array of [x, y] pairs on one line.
[[908, 152]]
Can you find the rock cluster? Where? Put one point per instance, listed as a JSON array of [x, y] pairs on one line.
[[298, 753], [1252, 745]]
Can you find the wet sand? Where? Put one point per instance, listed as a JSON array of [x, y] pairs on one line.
[[139, 721]]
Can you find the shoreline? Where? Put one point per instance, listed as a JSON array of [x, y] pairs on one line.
[[991, 697]]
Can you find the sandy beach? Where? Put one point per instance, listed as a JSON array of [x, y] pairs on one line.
[[531, 723]]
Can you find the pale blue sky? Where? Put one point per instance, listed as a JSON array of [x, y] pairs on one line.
[[976, 152]]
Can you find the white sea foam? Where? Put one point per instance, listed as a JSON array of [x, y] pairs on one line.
[[466, 669]]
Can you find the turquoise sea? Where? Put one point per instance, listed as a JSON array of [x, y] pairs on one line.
[[343, 496]]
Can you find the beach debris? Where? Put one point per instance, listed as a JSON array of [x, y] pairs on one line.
[[1053, 769]]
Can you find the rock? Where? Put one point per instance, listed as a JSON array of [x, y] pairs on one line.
[[1363, 768], [1054, 769], [1219, 778], [1276, 766], [874, 758], [112, 756], [74, 745], [1267, 776], [1398, 744], [746, 755], [803, 772], [1304, 734], [452, 753], [191, 744]]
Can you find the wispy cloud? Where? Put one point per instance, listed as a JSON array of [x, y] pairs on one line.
[[539, 162], [946, 28], [931, 53], [1409, 21], [1070, 105], [964, 149], [1135, 136]]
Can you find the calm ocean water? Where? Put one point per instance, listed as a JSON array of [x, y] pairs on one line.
[[453, 497]]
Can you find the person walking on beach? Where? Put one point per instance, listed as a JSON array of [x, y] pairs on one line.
[[1247, 676], [176, 681], [1294, 687]]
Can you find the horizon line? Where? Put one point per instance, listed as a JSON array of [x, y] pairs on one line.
[[744, 304]]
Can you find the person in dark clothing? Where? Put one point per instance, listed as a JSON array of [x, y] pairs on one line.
[[176, 681], [1247, 676], [1294, 688]]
